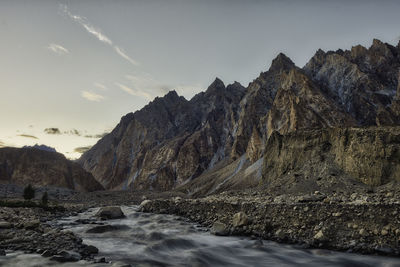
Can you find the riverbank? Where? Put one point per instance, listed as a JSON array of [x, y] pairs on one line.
[[368, 224], [30, 229]]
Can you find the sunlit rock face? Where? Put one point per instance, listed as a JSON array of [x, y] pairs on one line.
[[38, 167], [173, 140]]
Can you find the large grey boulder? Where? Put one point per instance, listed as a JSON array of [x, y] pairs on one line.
[[219, 228], [112, 212]]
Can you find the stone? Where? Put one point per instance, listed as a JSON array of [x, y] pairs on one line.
[[31, 224], [384, 232], [106, 228], [362, 232], [319, 236], [219, 228], [240, 219], [90, 250], [144, 205], [280, 234], [111, 212], [2, 252], [5, 225]]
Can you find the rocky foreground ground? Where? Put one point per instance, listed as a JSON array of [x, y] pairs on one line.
[[31, 230], [359, 223]]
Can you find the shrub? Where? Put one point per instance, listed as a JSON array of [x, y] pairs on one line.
[[29, 192]]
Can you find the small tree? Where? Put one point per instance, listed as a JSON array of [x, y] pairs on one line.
[[45, 199], [29, 192]]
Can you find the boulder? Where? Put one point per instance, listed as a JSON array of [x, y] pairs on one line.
[[219, 228], [90, 250], [240, 219], [112, 212], [106, 228], [31, 224], [144, 205]]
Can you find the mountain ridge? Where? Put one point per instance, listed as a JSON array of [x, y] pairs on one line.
[[171, 141]]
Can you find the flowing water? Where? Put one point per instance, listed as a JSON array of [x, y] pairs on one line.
[[143, 239]]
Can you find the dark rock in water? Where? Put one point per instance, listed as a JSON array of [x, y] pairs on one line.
[[106, 213], [2, 252], [106, 228], [219, 228], [66, 256], [90, 250]]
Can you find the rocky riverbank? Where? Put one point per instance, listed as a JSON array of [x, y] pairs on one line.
[[31, 230], [368, 224]]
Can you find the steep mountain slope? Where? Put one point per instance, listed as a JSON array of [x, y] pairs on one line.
[[224, 130], [169, 141], [24, 166]]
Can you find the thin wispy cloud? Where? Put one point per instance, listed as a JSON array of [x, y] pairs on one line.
[[58, 49], [134, 92], [122, 53], [28, 136], [92, 96], [100, 86], [87, 26], [96, 32]]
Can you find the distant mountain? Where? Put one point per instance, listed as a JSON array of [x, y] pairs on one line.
[[39, 167], [172, 141], [42, 147]]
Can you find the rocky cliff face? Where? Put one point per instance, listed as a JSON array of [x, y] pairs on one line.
[[172, 140], [169, 141], [24, 166], [332, 159]]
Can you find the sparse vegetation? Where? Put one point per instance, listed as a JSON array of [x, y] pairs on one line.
[[29, 192]]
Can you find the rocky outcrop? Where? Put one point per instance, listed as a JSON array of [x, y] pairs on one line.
[[363, 81], [300, 104], [332, 159], [250, 129], [24, 166]]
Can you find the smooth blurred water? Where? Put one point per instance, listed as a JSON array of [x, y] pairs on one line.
[[164, 240]]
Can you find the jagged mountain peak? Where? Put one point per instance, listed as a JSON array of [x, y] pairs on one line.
[[281, 62], [216, 84]]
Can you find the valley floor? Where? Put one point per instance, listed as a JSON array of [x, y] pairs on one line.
[[366, 223]]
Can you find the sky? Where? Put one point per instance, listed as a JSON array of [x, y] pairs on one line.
[[69, 70]]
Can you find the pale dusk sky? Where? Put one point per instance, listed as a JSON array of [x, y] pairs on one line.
[[81, 65]]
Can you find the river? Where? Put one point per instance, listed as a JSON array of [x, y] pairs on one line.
[[144, 239]]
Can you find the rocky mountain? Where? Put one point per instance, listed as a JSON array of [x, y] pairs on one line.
[[38, 167], [174, 142], [169, 141]]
